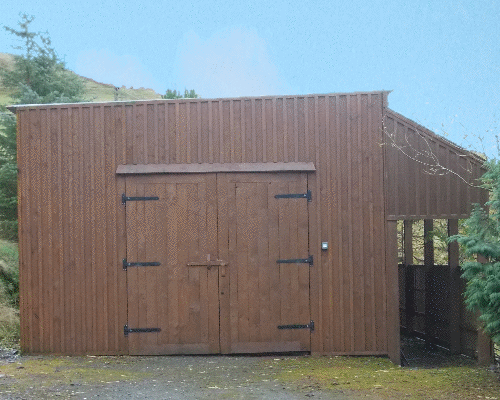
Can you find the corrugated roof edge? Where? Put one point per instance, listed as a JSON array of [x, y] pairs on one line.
[[480, 159], [14, 108]]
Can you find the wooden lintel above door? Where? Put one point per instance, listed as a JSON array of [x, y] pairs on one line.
[[128, 169]]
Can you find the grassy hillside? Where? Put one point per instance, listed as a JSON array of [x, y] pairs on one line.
[[94, 91]]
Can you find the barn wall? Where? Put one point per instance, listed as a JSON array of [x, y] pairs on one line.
[[72, 233], [426, 175]]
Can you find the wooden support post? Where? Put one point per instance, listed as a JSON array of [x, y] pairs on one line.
[[391, 268], [455, 295], [485, 354], [409, 274], [428, 264]]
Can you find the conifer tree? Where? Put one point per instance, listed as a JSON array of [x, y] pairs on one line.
[[37, 76], [482, 238]]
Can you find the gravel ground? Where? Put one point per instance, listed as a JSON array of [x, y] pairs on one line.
[[175, 377]]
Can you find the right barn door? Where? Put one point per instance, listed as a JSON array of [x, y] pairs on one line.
[[263, 234]]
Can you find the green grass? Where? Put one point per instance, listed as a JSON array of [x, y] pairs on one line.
[[378, 377], [9, 313], [94, 91]]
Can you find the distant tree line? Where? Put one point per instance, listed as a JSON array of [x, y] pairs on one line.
[[174, 94]]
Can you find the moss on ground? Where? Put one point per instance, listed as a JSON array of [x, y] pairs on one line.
[[45, 373], [380, 378], [356, 377]]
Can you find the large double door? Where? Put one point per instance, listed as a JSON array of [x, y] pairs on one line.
[[217, 263]]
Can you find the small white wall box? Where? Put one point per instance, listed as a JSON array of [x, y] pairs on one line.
[[324, 245]]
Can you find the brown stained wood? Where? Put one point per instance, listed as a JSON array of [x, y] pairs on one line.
[[455, 295], [74, 225], [215, 276], [326, 262], [336, 217], [409, 282], [68, 334], [351, 188], [152, 230], [172, 231], [393, 336], [261, 260], [222, 229], [274, 269], [29, 194], [285, 270], [132, 230], [358, 243], [253, 265], [242, 192], [304, 247], [244, 200], [211, 168], [419, 195], [110, 228], [56, 235], [291, 249], [24, 253]]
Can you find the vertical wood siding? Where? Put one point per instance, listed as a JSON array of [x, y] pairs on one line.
[[414, 189], [72, 224]]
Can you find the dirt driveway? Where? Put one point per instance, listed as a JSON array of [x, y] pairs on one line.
[[186, 377]]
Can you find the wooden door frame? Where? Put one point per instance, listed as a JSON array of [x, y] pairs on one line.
[[223, 180], [223, 281]]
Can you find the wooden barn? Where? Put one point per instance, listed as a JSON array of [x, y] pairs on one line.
[[241, 225]]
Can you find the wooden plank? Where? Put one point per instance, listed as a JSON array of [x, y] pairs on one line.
[[274, 243], [253, 198], [286, 271], [132, 229], [304, 247], [241, 225], [370, 129], [338, 233], [172, 261], [100, 294], [455, 295], [152, 253], [358, 239], [215, 167], [182, 302], [24, 250], [326, 229], [428, 263], [182, 258], [68, 300], [261, 259], [33, 332], [55, 246], [379, 217], [215, 276], [393, 336], [409, 283], [314, 241], [350, 274], [223, 214]]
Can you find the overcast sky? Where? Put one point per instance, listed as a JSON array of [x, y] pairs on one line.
[[441, 58]]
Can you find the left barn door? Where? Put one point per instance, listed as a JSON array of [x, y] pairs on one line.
[[173, 307]]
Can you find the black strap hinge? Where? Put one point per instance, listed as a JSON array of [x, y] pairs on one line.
[[307, 195], [127, 330], [310, 326], [308, 260], [126, 198], [139, 264]]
